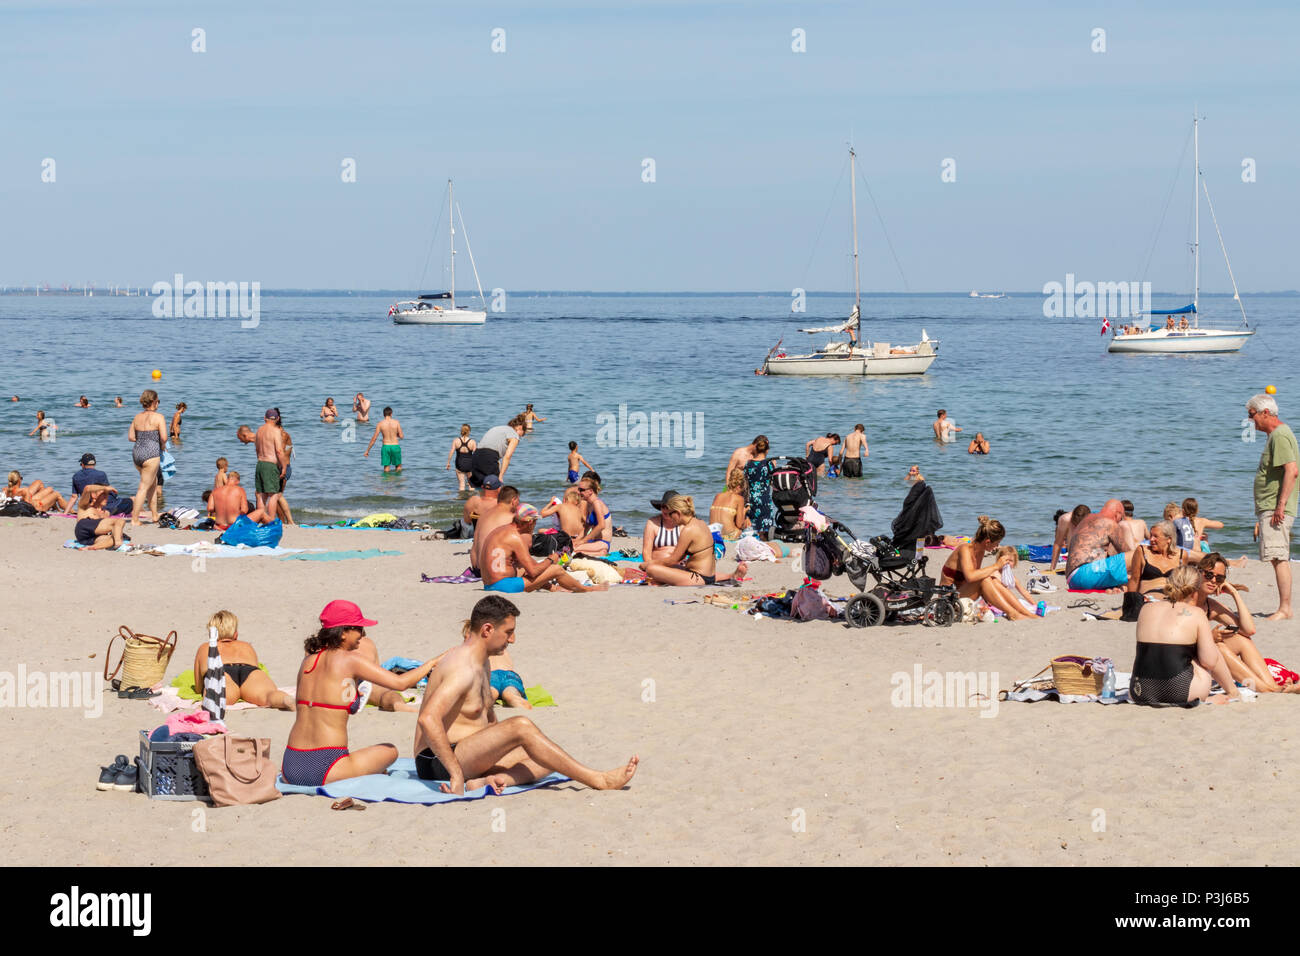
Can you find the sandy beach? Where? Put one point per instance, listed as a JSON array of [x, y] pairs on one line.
[[761, 742]]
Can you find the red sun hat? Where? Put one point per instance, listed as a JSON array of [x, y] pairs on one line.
[[344, 614]]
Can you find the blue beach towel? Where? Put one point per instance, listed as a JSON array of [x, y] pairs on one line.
[[339, 555], [167, 466], [401, 785]]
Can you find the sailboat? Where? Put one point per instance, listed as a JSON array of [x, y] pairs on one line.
[[853, 357], [1186, 336], [425, 310]]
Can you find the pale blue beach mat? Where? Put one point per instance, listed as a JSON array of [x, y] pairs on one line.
[[401, 785]]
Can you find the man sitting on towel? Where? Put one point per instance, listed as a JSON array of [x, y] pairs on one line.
[[458, 740], [96, 528], [230, 501], [1097, 561], [507, 566], [492, 514]]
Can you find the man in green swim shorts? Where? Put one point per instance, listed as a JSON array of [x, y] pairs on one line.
[[390, 455], [272, 459]]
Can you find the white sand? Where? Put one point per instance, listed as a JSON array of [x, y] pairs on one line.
[[751, 723]]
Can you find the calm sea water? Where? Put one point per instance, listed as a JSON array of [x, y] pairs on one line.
[[1068, 423]]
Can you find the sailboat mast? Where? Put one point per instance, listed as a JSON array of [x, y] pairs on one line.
[[1196, 205], [853, 180], [451, 225]]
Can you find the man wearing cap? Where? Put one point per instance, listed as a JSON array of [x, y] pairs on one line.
[[90, 475], [458, 740], [477, 503], [490, 517], [506, 564], [271, 462]]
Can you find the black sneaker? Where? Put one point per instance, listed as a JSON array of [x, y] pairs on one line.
[[127, 779], [108, 775]]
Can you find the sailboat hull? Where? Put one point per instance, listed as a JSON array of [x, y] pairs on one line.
[[440, 317], [1189, 341], [857, 362]]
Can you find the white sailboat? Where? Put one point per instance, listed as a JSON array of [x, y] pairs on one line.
[[425, 310], [1184, 336], [853, 357]]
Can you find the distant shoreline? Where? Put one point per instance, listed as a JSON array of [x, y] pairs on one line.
[[550, 293]]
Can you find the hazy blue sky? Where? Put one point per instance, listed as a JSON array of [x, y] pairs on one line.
[[225, 165]]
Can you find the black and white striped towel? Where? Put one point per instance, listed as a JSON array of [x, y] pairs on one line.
[[214, 680]]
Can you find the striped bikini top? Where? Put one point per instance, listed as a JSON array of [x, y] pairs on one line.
[[667, 537]]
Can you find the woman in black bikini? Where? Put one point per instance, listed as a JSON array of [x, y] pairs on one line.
[[963, 570], [1176, 654], [331, 686], [463, 450], [1150, 565], [245, 680], [692, 561]]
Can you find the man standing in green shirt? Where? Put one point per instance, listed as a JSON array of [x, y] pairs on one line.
[[1276, 491]]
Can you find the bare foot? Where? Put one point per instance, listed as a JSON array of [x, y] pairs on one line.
[[1291, 688], [496, 782], [619, 778], [741, 568], [1218, 699], [1279, 615]]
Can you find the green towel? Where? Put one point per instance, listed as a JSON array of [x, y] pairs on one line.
[[537, 696], [184, 684]]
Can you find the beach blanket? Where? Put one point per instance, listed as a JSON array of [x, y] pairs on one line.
[[465, 577], [537, 696], [339, 555], [401, 785], [202, 548], [620, 556], [1030, 696]]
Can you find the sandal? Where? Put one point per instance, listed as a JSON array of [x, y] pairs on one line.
[[1089, 603], [347, 803], [135, 693]]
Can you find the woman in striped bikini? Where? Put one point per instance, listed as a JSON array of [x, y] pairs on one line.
[[333, 682]]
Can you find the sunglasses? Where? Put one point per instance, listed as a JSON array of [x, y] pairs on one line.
[[1216, 578]]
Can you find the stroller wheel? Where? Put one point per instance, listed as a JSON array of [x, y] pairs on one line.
[[939, 613], [864, 610]]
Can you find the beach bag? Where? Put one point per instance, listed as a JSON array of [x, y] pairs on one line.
[[1073, 674], [238, 770], [820, 558], [809, 604], [144, 659], [545, 543], [248, 532], [1133, 604], [13, 508]]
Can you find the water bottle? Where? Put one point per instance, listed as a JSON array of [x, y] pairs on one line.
[[1041, 610], [1108, 683]]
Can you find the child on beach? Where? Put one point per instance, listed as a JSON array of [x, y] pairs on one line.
[[1008, 577], [574, 459], [1199, 524], [220, 480], [1186, 533], [507, 683]]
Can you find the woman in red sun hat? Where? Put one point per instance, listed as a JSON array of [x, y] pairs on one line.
[[333, 682]]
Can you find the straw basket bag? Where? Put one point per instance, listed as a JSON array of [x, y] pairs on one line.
[[1072, 674], [144, 659]]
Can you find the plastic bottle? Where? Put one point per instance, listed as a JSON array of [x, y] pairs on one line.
[[1041, 610], [1108, 682]]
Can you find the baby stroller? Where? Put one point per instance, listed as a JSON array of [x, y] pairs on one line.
[[902, 590], [794, 486]]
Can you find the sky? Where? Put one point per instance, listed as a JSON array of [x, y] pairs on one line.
[[226, 164]]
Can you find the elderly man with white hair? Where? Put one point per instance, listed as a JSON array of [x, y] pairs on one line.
[[1275, 495]]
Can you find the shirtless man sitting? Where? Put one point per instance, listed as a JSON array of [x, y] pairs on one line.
[[507, 566], [1135, 530], [493, 514], [1065, 522], [1097, 561], [230, 501], [458, 740], [477, 503]]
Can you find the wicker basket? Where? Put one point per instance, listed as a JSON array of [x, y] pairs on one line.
[[1072, 674], [144, 659]]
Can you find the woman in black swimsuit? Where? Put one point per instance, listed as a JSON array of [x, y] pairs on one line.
[[1176, 654], [463, 450], [245, 680], [1150, 565], [819, 449]]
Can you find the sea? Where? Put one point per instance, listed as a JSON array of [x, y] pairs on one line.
[[1067, 422]]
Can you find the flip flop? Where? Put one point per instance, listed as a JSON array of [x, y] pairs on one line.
[[135, 693]]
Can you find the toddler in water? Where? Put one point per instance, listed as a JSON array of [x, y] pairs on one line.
[[507, 683], [574, 459], [220, 480]]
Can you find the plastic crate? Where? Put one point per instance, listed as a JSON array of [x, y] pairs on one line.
[[168, 770]]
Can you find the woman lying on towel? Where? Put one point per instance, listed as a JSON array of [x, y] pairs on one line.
[[37, 494], [333, 682], [245, 680], [1176, 653], [692, 561], [1234, 629], [963, 570]]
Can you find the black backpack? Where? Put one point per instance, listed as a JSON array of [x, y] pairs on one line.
[[821, 559], [18, 509], [546, 544]]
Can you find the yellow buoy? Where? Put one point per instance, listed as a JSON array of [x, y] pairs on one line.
[[1271, 390], [157, 374]]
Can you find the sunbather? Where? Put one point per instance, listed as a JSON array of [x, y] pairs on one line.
[[245, 680], [1149, 565], [1176, 653], [506, 682], [330, 683], [568, 512], [728, 508], [963, 570], [39, 495], [458, 741], [1234, 629], [692, 561]]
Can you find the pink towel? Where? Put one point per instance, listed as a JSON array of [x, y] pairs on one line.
[[196, 722]]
